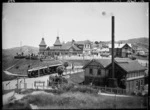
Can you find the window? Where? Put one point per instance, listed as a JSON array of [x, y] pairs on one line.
[[142, 82], [127, 75], [131, 74], [139, 74], [138, 84], [134, 74], [99, 72], [91, 71]]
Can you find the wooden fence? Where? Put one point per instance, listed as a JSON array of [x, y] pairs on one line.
[[110, 90]]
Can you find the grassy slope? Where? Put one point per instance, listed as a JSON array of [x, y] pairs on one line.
[[77, 100]]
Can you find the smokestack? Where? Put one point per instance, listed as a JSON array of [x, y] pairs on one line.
[[113, 25], [113, 81]]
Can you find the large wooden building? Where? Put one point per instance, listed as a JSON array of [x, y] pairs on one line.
[[129, 73], [69, 48]]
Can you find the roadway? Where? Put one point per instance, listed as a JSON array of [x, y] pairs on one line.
[[8, 85]]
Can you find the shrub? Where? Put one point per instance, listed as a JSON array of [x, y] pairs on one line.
[[17, 105], [145, 101], [27, 91], [66, 64], [60, 70], [84, 89], [139, 94], [133, 93], [66, 87]]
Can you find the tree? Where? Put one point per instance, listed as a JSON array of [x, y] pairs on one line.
[[96, 42], [60, 70], [66, 64], [22, 53]]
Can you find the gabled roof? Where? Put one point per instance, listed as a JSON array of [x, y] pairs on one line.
[[75, 47], [83, 42], [57, 42], [42, 42], [130, 66], [48, 48], [119, 45], [103, 62], [66, 46]]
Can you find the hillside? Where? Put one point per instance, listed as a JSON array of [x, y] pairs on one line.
[[142, 42], [8, 54], [139, 42]]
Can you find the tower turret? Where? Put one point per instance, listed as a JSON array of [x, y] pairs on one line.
[[42, 47]]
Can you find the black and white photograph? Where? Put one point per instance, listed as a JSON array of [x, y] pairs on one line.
[[75, 55]]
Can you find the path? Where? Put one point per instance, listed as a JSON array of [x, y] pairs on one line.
[[7, 85], [6, 97], [8, 73], [114, 95]]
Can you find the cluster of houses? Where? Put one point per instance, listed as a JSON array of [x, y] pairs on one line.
[[84, 47]]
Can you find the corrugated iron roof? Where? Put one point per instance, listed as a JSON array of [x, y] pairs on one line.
[[103, 62], [130, 66]]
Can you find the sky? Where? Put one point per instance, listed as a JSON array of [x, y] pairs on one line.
[[28, 23]]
